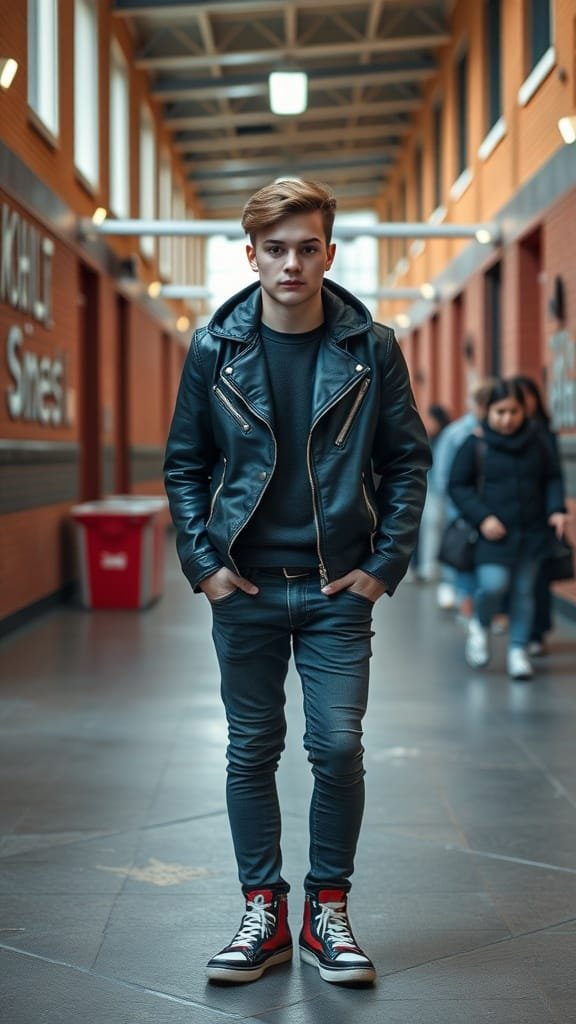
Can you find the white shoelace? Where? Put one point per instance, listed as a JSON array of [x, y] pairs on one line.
[[257, 922], [332, 923]]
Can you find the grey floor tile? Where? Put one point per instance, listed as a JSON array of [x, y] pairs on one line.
[[117, 875]]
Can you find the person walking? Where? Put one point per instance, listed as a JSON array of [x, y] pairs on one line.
[[507, 483], [296, 473], [457, 588], [542, 621], [436, 421]]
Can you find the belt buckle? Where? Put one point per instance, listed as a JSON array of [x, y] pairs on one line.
[[293, 575]]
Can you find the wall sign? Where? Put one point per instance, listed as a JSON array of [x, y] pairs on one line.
[[38, 390], [38, 393], [25, 267]]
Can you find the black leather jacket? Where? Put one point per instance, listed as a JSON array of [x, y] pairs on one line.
[[367, 451]]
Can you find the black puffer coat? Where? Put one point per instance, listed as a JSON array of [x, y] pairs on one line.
[[515, 477]]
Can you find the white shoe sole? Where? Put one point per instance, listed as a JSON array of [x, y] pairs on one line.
[[228, 972], [338, 975]]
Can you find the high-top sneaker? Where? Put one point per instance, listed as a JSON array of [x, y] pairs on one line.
[[327, 942], [262, 941]]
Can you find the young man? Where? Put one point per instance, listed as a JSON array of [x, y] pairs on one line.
[[295, 469]]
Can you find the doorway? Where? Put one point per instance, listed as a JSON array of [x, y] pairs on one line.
[[493, 293], [89, 384]]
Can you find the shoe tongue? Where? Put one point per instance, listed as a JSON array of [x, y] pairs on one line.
[[332, 896], [266, 894]]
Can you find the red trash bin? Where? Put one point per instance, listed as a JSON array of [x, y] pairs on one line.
[[120, 545]]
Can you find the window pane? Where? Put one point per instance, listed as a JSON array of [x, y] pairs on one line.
[[403, 246], [493, 61], [43, 61], [86, 90], [165, 200], [147, 180], [419, 181], [179, 241], [462, 115], [540, 36], [437, 131], [119, 135]]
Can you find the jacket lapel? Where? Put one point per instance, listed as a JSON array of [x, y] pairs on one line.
[[337, 371]]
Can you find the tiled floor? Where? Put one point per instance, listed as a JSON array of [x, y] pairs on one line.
[[117, 880]]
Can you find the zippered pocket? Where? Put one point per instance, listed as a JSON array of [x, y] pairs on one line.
[[216, 493], [371, 511], [342, 436], [231, 408]]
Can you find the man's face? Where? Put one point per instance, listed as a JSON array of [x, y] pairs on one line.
[[291, 258]]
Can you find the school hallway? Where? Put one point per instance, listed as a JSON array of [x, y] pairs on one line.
[[117, 879]]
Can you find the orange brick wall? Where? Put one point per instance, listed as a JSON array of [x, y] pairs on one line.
[[36, 545], [36, 551], [531, 137], [36, 556], [145, 424], [52, 160]]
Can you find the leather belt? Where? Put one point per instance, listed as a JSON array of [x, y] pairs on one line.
[[289, 572]]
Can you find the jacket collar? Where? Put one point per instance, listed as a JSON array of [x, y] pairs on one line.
[[338, 369], [239, 317]]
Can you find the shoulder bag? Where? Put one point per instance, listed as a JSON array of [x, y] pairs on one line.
[[458, 543]]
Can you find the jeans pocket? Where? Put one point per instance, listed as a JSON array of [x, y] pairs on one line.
[[359, 597], [225, 599]]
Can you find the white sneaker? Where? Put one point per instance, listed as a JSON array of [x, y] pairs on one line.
[[536, 649], [477, 650], [519, 666], [445, 596]]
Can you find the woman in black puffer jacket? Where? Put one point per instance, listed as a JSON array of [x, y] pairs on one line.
[[508, 484]]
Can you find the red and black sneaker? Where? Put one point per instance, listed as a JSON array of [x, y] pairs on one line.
[[327, 942], [262, 941]]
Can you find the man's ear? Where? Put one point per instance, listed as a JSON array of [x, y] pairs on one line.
[[331, 255], [251, 254]]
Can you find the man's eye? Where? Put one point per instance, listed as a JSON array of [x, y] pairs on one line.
[[273, 250]]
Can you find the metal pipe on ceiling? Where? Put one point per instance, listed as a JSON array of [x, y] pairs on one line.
[[487, 233]]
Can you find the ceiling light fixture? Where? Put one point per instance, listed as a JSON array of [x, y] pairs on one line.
[[567, 129], [428, 291], [8, 69], [402, 320], [288, 92], [99, 215]]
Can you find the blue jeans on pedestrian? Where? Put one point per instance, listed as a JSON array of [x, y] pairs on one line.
[[516, 582], [330, 638]]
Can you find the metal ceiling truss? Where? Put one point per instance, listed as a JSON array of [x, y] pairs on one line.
[[208, 65]]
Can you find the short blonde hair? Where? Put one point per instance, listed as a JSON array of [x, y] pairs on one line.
[[288, 196]]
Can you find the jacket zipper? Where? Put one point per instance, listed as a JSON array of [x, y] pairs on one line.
[[339, 442], [266, 424], [216, 493], [232, 409], [324, 580], [371, 511]]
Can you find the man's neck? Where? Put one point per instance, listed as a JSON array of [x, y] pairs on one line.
[[292, 320]]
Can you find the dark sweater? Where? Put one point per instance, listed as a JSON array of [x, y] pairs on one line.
[[282, 530]]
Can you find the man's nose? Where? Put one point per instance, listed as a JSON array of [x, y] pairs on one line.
[[292, 259]]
